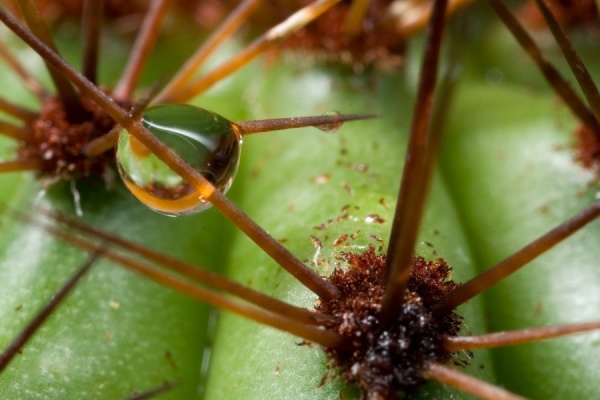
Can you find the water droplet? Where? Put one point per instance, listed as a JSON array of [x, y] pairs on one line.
[[332, 127], [208, 142]]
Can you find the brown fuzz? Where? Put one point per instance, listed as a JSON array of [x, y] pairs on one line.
[[567, 13], [387, 362], [53, 10], [587, 148], [58, 143], [375, 43]]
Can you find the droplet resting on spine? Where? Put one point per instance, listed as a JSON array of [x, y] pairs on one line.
[[208, 142]]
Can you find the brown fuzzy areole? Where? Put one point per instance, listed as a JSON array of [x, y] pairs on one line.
[[53, 10], [58, 143], [587, 148], [376, 43], [568, 13], [384, 361]]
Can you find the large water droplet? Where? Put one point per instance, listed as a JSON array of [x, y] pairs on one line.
[[208, 142], [332, 127]]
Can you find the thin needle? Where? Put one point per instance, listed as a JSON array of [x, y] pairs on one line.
[[101, 144], [20, 165], [225, 30], [272, 247], [514, 262], [144, 44], [562, 88], [589, 88], [500, 339], [93, 15], [284, 323], [276, 124], [17, 111], [353, 23], [17, 344], [13, 131], [66, 92], [408, 19], [467, 383], [194, 272], [32, 84], [417, 168], [293, 23]]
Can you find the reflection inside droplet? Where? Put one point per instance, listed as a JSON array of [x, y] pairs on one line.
[[208, 142], [331, 127]]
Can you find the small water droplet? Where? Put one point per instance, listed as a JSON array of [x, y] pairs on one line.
[[331, 127], [494, 76], [208, 142], [374, 218]]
